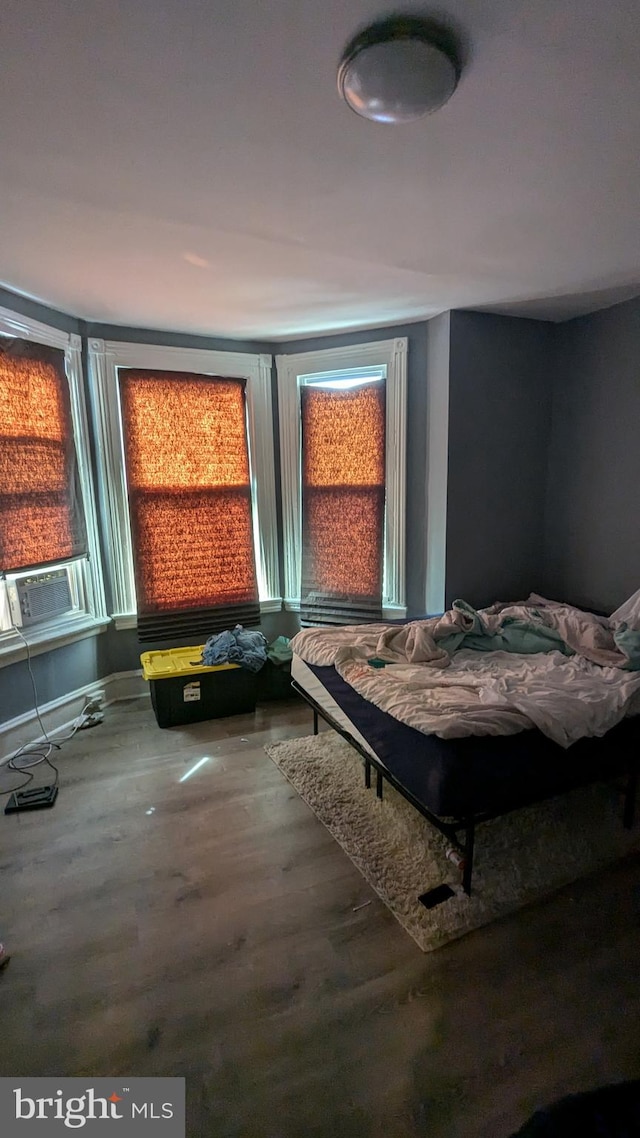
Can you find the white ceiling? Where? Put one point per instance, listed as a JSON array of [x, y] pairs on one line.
[[187, 164]]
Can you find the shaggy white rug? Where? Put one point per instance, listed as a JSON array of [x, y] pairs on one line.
[[519, 857]]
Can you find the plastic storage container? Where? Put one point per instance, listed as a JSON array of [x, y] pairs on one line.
[[183, 690], [274, 681]]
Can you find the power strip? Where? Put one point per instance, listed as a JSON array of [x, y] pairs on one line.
[[94, 703], [92, 719]]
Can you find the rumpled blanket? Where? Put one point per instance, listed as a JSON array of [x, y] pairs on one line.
[[238, 646], [496, 671], [535, 625]]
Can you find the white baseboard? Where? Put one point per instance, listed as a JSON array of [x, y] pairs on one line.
[[61, 712]]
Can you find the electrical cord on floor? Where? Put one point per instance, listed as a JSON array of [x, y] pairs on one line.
[[40, 752], [32, 677]]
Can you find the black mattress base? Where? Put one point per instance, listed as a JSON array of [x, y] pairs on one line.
[[458, 783], [483, 775]]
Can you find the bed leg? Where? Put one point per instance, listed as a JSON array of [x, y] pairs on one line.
[[630, 796], [315, 722], [379, 784], [367, 773], [467, 872]]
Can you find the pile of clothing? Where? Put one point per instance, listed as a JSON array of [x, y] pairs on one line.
[[238, 646]]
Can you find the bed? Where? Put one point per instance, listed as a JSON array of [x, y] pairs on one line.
[[458, 783]]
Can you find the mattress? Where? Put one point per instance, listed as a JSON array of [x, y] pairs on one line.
[[462, 777], [305, 676]]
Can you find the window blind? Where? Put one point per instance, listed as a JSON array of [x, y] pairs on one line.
[[343, 501], [41, 512], [187, 464]]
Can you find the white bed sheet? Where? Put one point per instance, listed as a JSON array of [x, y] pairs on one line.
[[565, 698]]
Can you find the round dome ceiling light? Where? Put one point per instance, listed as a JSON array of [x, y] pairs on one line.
[[399, 69]]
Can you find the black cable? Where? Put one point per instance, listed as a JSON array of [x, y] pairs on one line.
[[55, 771], [20, 786], [32, 749], [33, 681], [40, 751]]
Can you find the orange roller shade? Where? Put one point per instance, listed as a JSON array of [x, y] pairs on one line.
[[343, 500], [187, 463], [41, 515]]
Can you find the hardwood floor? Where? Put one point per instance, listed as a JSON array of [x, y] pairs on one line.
[[205, 927]]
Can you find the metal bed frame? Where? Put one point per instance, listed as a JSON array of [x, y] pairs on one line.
[[462, 845]]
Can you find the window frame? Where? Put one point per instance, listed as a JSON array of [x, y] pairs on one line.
[[105, 357], [294, 368], [93, 618]]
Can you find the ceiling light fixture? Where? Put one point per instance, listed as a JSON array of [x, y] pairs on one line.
[[399, 69]]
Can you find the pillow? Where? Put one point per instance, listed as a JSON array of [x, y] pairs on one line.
[[628, 613]]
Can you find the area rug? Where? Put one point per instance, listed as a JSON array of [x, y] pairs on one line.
[[519, 857]]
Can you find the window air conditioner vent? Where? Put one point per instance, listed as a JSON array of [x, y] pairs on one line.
[[40, 597]]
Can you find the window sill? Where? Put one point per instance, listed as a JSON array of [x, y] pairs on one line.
[[389, 611], [393, 611], [12, 648], [124, 620]]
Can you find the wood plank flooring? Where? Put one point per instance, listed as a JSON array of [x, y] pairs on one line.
[[206, 928]]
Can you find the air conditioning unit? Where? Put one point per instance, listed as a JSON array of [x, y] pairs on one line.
[[39, 597]]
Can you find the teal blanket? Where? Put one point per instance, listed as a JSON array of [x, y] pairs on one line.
[[514, 635]]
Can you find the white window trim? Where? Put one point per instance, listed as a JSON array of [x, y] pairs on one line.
[[105, 357], [73, 626], [392, 354]]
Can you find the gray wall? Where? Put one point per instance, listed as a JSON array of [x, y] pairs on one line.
[[55, 673], [37, 311], [500, 392], [592, 548], [173, 339]]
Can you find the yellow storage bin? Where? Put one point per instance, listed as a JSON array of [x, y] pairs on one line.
[[183, 690]]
